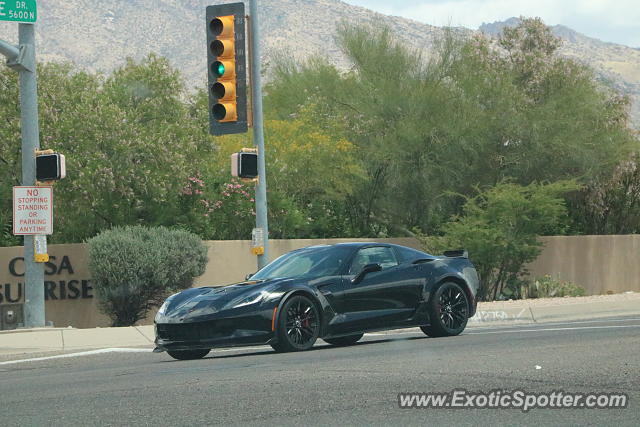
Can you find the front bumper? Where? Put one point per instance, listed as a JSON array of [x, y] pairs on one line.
[[213, 333]]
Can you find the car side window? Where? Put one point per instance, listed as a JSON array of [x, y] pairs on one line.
[[407, 255], [375, 255]]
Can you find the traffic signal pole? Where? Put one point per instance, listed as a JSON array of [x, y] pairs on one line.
[[23, 60], [258, 132], [34, 272]]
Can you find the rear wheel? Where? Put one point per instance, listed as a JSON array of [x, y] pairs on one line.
[[298, 325], [343, 341], [188, 354], [448, 311]]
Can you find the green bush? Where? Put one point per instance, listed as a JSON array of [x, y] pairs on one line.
[[548, 287], [134, 268], [500, 229]]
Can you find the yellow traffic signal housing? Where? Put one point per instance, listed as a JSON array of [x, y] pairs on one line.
[[227, 68], [223, 48]]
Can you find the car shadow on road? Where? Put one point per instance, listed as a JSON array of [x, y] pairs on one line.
[[318, 347]]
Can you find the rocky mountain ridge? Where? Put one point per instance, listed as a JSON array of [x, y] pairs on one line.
[[99, 35]]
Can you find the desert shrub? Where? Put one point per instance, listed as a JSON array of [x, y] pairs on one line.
[[134, 268], [548, 287], [500, 229]]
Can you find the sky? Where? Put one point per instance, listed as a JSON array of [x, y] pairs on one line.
[[616, 21]]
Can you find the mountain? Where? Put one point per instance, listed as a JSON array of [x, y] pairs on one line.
[[99, 35]]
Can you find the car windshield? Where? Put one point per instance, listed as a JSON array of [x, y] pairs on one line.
[[311, 262]]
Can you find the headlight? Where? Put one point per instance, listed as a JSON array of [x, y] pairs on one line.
[[253, 299]]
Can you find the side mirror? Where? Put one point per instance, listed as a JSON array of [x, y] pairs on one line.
[[248, 276], [369, 268]]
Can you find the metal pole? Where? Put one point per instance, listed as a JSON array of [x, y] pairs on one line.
[[258, 133], [11, 52], [34, 272]]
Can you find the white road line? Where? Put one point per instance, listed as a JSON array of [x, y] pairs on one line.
[[509, 328], [480, 325], [224, 350], [119, 350], [80, 354], [511, 331]]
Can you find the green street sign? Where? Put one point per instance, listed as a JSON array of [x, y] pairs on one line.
[[18, 10]]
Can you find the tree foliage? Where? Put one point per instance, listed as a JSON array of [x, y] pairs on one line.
[[138, 152], [611, 205], [500, 228], [473, 113]]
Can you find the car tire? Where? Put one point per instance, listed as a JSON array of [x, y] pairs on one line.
[[448, 311], [298, 325], [344, 341], [188, 354]]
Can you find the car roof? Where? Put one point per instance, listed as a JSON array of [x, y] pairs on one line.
[[356, 245], [362, 244]]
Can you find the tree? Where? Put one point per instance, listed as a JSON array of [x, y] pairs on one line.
[[129, 139], [10, 149], [612, 205], [473, 113], [135, 268], [500, 228], [130, 147], [310, 175]]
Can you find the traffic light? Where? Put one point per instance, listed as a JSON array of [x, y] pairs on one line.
[[244, 164], [50, 166], [227, 71]]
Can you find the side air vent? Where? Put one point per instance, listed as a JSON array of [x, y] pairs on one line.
[[458, 253]]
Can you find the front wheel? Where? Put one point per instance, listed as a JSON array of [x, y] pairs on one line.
[[448, 311], [298, 325], [343, 341], [188, 354]]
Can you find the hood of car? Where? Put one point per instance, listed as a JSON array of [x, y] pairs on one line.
[[196, 302]]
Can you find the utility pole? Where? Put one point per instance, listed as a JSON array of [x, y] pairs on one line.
[[23, 60], [258, 132]]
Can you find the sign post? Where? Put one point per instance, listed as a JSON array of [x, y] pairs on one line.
[[23, 60]]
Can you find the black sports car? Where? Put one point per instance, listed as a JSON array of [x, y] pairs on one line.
[[335, 292]]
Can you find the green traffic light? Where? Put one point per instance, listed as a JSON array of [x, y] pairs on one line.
[[218, 69]]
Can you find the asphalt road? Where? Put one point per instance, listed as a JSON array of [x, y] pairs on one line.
[[355, 385]]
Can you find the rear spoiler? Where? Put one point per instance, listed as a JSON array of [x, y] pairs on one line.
[[458, 253]]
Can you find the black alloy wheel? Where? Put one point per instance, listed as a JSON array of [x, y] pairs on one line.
[[188, 354], [448, 311], [298, 325], [343, 341]]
